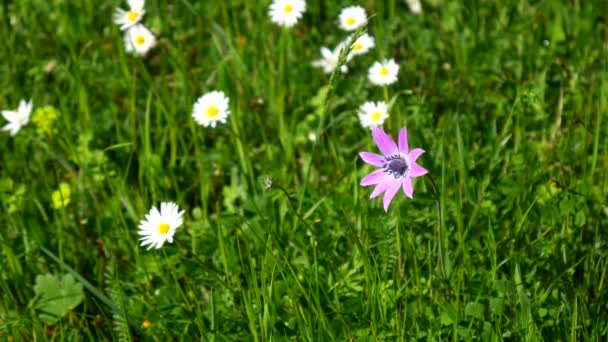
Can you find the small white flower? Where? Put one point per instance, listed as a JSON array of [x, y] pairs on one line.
[[329, 60], [211, 108], [383, 73], [362, 45], [159, 226], [287, 12], [17, 118], [131, 17], [373, 114], [139, 40], [351, 18], [415, 6]]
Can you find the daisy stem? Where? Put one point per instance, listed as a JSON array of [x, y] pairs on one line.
[[386, 99], [440, 241]]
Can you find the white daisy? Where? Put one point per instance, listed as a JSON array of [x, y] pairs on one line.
[[383, 73], [139, 40], [131, 17], [159, 226], [362, 45], [17, 118], [351, 18], [373, 114], [211, 108], [329, 60], [415, 6], [287, 12]]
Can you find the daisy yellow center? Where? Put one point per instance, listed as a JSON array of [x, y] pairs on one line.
[[350, 21], [163, 228], [376, 116], [132, 16], [287, 8], [384, 71], [140, 40], [357, 46], [212, 111]]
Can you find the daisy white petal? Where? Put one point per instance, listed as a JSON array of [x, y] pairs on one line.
[[17, 118], [373, 114], [383, 73], [127, 19], [286, 13], [351, 18], [139, 40], [211, 108], [159, 227], [362, 45]]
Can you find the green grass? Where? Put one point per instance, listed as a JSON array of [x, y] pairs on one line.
[[508, 98]]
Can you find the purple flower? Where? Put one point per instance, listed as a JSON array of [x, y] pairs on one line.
[[397, 166]]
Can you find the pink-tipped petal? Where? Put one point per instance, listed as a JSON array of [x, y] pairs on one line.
[[414, 154], [407, 187], [380, 188], [385, 144], [417, 170], [375, 177], [372, 158], [390, 194], [403, 148]]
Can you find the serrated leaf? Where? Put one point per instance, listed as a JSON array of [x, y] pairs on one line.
[[56, 297]]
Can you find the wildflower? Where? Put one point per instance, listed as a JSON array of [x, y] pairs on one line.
[[383, 73], [362, 44], [330, 60], [351, 18], [61, 198], [126, 19], [139, 40], [211, 108], [17, 118], [287, 12], [146, 324], [397, 166], [373, 114], [44, 118], [267, 183], [159, 226], [415, 6]]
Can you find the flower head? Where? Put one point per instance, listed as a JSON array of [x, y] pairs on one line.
[[44, 118], [397, 166], [211, 108], [287, 12], [351, 18], [61, 197], [362, 45], [329, 60], [131, 17], [17, 118], [159, 226], [415, 6], [139, 40], [373, 114], [383, 73]]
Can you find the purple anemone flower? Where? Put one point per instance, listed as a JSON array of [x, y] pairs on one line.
[[397, 166]]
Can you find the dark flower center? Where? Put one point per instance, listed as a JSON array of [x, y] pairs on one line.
[[396, 166]]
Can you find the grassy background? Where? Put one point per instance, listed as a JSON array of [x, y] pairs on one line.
[[508, 98]]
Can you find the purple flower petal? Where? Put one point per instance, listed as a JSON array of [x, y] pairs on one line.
[[417, 170], [372, 158], [414, 154], [403, 148], [375, 177], [380, 188], [407, 187], [390, 193], [385, 144]]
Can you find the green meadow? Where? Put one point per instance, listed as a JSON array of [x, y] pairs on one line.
[[505, 239]]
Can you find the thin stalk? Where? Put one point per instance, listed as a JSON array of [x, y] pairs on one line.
[[440, 251]]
